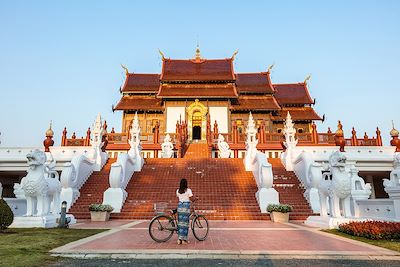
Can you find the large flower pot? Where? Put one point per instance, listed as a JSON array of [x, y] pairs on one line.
[[99, 216], [279, 217]]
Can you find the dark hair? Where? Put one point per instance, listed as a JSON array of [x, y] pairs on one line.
[[183, 186]]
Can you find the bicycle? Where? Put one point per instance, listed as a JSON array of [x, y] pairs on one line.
[[163, 226]]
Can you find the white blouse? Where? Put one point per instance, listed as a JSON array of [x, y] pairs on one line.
[[185, 197]]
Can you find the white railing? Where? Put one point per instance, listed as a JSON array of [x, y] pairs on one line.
[[73, 177], [377, 209], [365, 158], [120, 175], [262, 171], [309, 174]]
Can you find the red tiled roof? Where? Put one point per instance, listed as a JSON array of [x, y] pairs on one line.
[[295, 93], [192, 70], [139, 103], [259, 83], [141, 83], [303, 113], [256, 103], [198, 90]]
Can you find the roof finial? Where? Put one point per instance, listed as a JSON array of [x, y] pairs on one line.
[[394, 132], [198, 55], [161, 53], [234, 54], [125, 68], [307, 79], [50, 132], [270, 67]]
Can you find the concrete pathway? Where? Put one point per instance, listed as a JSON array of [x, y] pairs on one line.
[[226, 240]]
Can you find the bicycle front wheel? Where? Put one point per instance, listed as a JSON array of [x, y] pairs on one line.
[[161, 228], [200, 227]]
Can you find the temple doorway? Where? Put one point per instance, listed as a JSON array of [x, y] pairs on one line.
[[197, 121], [196, 133]]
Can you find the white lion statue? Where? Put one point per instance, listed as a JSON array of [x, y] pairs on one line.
[[394, 175], [167, 147], [335, 187], [41, 186], [223, 147]]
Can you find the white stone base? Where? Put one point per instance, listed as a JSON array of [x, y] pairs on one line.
[[115, 197], [327, 222], [48, 221], [265, 197]]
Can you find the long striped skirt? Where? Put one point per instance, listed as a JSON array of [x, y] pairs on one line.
[[183, 220]]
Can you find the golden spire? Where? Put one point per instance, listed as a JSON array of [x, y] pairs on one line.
[[307, 79], [394, 132], [125, 68], [49, 131], [234, 54], [270, 67], [198, 55], [161, 53]]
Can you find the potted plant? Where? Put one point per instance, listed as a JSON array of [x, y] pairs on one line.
[[100, 212], [279, 212]]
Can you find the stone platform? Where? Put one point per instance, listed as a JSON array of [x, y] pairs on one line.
[[226, 239]]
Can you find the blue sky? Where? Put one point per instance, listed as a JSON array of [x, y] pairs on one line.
[[60, 61]]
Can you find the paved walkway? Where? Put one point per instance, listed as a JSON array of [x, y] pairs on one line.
[[227, 239]]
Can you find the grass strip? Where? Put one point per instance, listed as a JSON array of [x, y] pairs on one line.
[[30, 246], [389, 244]]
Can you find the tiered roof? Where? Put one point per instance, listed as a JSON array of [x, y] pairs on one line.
[[215, 78], [141, 103], [192, 70], [141, 83], [254, 83], [197, 90], [292, 93]]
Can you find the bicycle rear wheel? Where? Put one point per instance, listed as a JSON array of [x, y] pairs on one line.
[[161, 228], [200, 227]]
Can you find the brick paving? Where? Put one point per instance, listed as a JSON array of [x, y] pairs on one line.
[[225, 238]]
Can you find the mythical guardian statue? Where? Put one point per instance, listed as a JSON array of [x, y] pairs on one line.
[[224, 150], [167, 147], [335, 187], [41, 186]]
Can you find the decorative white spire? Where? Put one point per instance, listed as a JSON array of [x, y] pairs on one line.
[[288, 125]]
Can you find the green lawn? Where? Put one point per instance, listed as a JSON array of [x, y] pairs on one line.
[[30, 247], [389, 244]]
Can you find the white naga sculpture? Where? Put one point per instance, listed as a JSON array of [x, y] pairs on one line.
[[167, 147], [41, 186], [394, 180], [335, 187], [224, 150]]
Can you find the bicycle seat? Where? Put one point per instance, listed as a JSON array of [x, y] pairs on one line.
[[173, 211]]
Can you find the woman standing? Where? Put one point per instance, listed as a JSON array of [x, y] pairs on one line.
[[184, 194]]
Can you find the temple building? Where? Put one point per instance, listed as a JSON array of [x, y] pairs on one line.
[[197, 90]]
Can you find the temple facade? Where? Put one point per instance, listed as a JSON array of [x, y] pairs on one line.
[[198, 89], [194, 93]]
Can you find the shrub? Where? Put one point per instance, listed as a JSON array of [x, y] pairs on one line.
[[6, 215], [372, 229], [279, 208], [100, 207]]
